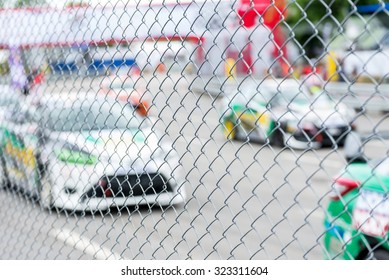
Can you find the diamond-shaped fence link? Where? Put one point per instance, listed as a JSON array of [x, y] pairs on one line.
[[250, 129]]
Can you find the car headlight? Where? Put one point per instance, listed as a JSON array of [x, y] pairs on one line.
[[292, 126], [75, 156]]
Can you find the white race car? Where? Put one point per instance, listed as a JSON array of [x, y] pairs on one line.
[[285, 113], [87, 152]]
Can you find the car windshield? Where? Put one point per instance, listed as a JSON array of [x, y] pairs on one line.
[[285, 96], [299, 96], [8, 97], [6, 101], [88, 115], [252, 92], [280, 94]]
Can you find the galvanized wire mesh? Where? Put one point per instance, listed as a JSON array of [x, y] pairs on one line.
[[196, 130]]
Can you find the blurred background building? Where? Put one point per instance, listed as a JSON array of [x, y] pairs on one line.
[[221, 38]]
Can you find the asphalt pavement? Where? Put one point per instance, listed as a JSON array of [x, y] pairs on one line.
[[244, 200]]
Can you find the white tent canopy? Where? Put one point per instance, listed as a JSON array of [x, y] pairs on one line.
[[50, 26], [213, 24]]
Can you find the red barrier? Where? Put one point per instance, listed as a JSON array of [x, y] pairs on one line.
[[272, 12]]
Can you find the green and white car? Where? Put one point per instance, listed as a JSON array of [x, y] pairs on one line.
[[285, 113], [88, 152], [357, 214]]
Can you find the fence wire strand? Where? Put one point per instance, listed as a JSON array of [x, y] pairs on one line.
[[250, 129]]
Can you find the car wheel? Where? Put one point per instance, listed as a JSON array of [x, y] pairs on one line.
[[230, 130], [4, 181], [379, 254], [277, 138], [45, 194]]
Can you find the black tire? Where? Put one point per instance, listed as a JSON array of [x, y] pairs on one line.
[[45, 196], [4, 180], [277, 138], [379, 254], [44, 193]]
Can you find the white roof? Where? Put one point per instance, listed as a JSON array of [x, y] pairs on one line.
[[47, 26]]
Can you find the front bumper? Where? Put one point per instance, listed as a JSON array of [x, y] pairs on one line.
[[99, 187], [341, 241], [317, 137]]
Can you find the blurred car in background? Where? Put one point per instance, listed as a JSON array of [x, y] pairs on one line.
[[361, 50], [8, 99], [124, 88], [357, 215], [88, 152], [285, 113]]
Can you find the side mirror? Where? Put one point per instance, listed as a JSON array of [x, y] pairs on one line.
[[353, 148]]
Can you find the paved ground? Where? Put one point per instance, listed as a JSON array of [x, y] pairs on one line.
[[244, 200]]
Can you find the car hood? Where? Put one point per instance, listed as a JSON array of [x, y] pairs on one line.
[[366, 174], [327, 114], [110, 145]]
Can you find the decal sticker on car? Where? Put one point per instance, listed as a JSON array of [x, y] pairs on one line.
[[21, 154], [371, 213]]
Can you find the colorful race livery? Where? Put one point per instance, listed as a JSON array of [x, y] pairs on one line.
[[87, 152], [284, 112], [357, 215]]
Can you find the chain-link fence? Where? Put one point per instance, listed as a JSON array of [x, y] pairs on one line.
[[194, 130]]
